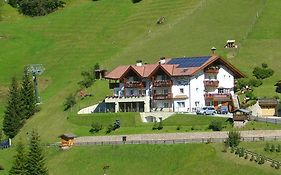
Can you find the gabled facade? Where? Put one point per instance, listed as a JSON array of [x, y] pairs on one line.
[[175, 85]]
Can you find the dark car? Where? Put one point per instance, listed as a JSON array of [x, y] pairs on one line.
[[222, 110]]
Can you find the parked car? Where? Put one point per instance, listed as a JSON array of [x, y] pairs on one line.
[[208, 110], [222, 110]]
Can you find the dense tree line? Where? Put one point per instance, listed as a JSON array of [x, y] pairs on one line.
[[31, 162], [20, 106], [36, 7]]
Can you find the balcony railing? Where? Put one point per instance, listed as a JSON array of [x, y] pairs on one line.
[[163, 96], [212, 71], [211, 83], [217, 96], [135, 84], [162, 83]]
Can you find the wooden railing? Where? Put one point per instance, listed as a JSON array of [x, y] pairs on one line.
[[135, 84], [162, 83], [163, 96], [211, 83], [216, 95]]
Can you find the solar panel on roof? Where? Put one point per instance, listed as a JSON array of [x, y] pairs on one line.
[[189, 62]]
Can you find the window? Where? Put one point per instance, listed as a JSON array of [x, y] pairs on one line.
[[131, 92], [197, 103], [197, 89], [181, 104], [165, 91], [166, 105], [181, 90], [140, 92], [220, 90]]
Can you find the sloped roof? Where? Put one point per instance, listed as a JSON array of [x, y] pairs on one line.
[[186, 66]]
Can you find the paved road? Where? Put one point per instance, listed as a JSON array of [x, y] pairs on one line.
[[186, 137]]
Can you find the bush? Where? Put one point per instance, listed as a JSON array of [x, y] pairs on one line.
[[272, 148], [262, 73], [242, 152], [96, 127], [70, 101], [154, 127], [136, 1], [110, 128], [278, 149], [255, 82], [215, 125], [277, 165], [160, 126], [233, 139], [179, 127], [36, 7], [232, 150], [261, 160], [88, 79], [252, 158], [267, 147]]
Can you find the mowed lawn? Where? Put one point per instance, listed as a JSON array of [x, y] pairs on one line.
[[180, 159], [113, 33], [131, 124], [151, 159]]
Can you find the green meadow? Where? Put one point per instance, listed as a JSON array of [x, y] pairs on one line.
[[75, 38]]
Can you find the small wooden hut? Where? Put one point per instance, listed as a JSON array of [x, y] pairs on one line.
[[241, 114], [67, 140], [269, 107]]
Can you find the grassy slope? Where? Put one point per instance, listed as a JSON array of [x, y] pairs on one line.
[[113, 33], [148, 159]]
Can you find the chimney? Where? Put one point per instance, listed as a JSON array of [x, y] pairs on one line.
[[139, 63], [162, 60]]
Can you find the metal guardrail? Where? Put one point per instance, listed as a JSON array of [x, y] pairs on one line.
[[266, 119]]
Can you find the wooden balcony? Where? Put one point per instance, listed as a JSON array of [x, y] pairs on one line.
[[211, 83], [218, 97], [162, 83], [167, 96], [135, 84], [212, 71], [113, 85]]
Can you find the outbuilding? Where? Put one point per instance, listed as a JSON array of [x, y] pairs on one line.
[[67, 140], [269, 107]]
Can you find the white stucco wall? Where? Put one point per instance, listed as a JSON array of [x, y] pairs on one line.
[[226, 79], [197, 90]]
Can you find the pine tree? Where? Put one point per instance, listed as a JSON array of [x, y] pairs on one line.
[[13, 117], [35, 158], [20, 165], [27, 95]]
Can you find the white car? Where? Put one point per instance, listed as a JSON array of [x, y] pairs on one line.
[[208, 110]]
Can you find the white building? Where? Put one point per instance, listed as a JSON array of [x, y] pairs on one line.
[[175, 85]]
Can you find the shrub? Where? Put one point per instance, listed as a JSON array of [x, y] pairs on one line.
[[215, 125], [252, 158], [262, 73], [96, 127], [154, 127], [136, 1], [179, 127], [88, 79], [160, 126], [267, 147], [242, 152], [110, 128], [70, 101], [278, 149], [272, 148], [277, 165], [232, 150], [255, 82], [261, 160], [233, 139]]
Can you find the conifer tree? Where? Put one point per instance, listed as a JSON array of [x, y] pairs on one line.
[[35, 158], [13, 116], [20, 165], [27, 95]]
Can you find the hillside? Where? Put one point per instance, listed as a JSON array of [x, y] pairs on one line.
[[119, 32]]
